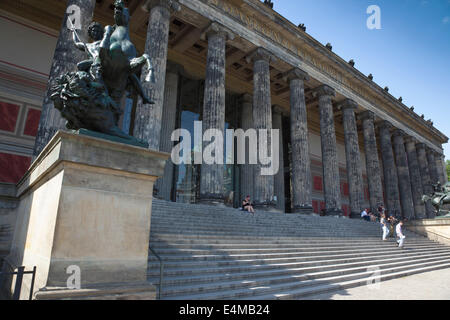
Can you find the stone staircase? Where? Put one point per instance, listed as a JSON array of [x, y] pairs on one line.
[[223, 253]]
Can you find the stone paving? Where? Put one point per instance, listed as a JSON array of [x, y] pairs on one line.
[[433, 285]]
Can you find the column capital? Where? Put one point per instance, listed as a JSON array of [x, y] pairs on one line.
[[420, 145], [295, 73], [367, 115], [384, 124], [347, 104], [278, 109], [246, 98], [171, 5], [399, 133], [175, 68], [410, 139], [324, 90], [217, 28], [260, 54]]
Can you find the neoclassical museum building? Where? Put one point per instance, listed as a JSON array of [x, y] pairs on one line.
[[345, 142]]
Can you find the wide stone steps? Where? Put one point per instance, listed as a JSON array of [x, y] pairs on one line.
[[309, 277], [223, 253]]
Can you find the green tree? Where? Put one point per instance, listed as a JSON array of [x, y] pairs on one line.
[[448, 168]]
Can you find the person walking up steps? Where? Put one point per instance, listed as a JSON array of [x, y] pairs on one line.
[[384, 226], [401, 237]]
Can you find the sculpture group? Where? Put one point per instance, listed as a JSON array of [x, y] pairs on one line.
[[439, 198], [89, 98]]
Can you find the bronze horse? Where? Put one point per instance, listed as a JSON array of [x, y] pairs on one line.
[[439, 198]]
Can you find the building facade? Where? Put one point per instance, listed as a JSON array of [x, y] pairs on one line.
[[345, 142]]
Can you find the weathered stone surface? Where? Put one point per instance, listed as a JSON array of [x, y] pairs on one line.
[[431, 157], [329, 151], [247, 169], [389, 169], [262, 119], [164, 185], [65, 59], [97, 217], [404, 181], [353, 157], [211, 179], [147, 123], [277, 123], [426, 180], [372, 160], [440, 164], [301, 162], [416, 179]]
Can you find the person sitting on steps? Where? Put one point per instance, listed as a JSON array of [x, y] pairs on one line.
[[247, 205]]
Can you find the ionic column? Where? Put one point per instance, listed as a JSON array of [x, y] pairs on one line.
[[329, 151], [164, 184], [353, 157], [389, 169], [262, 120], [434, 174], [372, 160], [211, 178], [65, 59], [404, 182], [426, 180], [277, 122], [147, 123], [416, 179], [247, 169], [301, 162]]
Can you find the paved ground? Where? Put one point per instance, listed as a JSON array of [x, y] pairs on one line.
[[434, 285]]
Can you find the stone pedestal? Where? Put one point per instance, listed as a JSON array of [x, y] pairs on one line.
[[86, 202]]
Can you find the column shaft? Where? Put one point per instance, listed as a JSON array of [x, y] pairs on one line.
[[353, 158], [65, 59], [389, 169], [434, 175], [147, 123], [404, 182], [277, 122], [426, 180], [329, 152], [247, 169], [301, 162], [262, 119], [211, 178], [372, 161], [416, 179], [164, 185]]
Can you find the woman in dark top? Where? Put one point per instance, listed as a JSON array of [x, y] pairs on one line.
[[247, 205]]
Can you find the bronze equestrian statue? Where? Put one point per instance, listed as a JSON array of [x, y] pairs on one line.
[[90, 97]]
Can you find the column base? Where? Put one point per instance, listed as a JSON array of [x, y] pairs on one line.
[[266, 206], [334, 212], [212, 200], [355, 215], [305, 209]]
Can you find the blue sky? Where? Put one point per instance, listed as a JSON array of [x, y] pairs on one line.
[[410, 53]]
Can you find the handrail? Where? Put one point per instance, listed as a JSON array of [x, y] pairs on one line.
[[161, 272], [18, 287]]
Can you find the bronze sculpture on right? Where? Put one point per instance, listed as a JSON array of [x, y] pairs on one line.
[[439, 198]]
